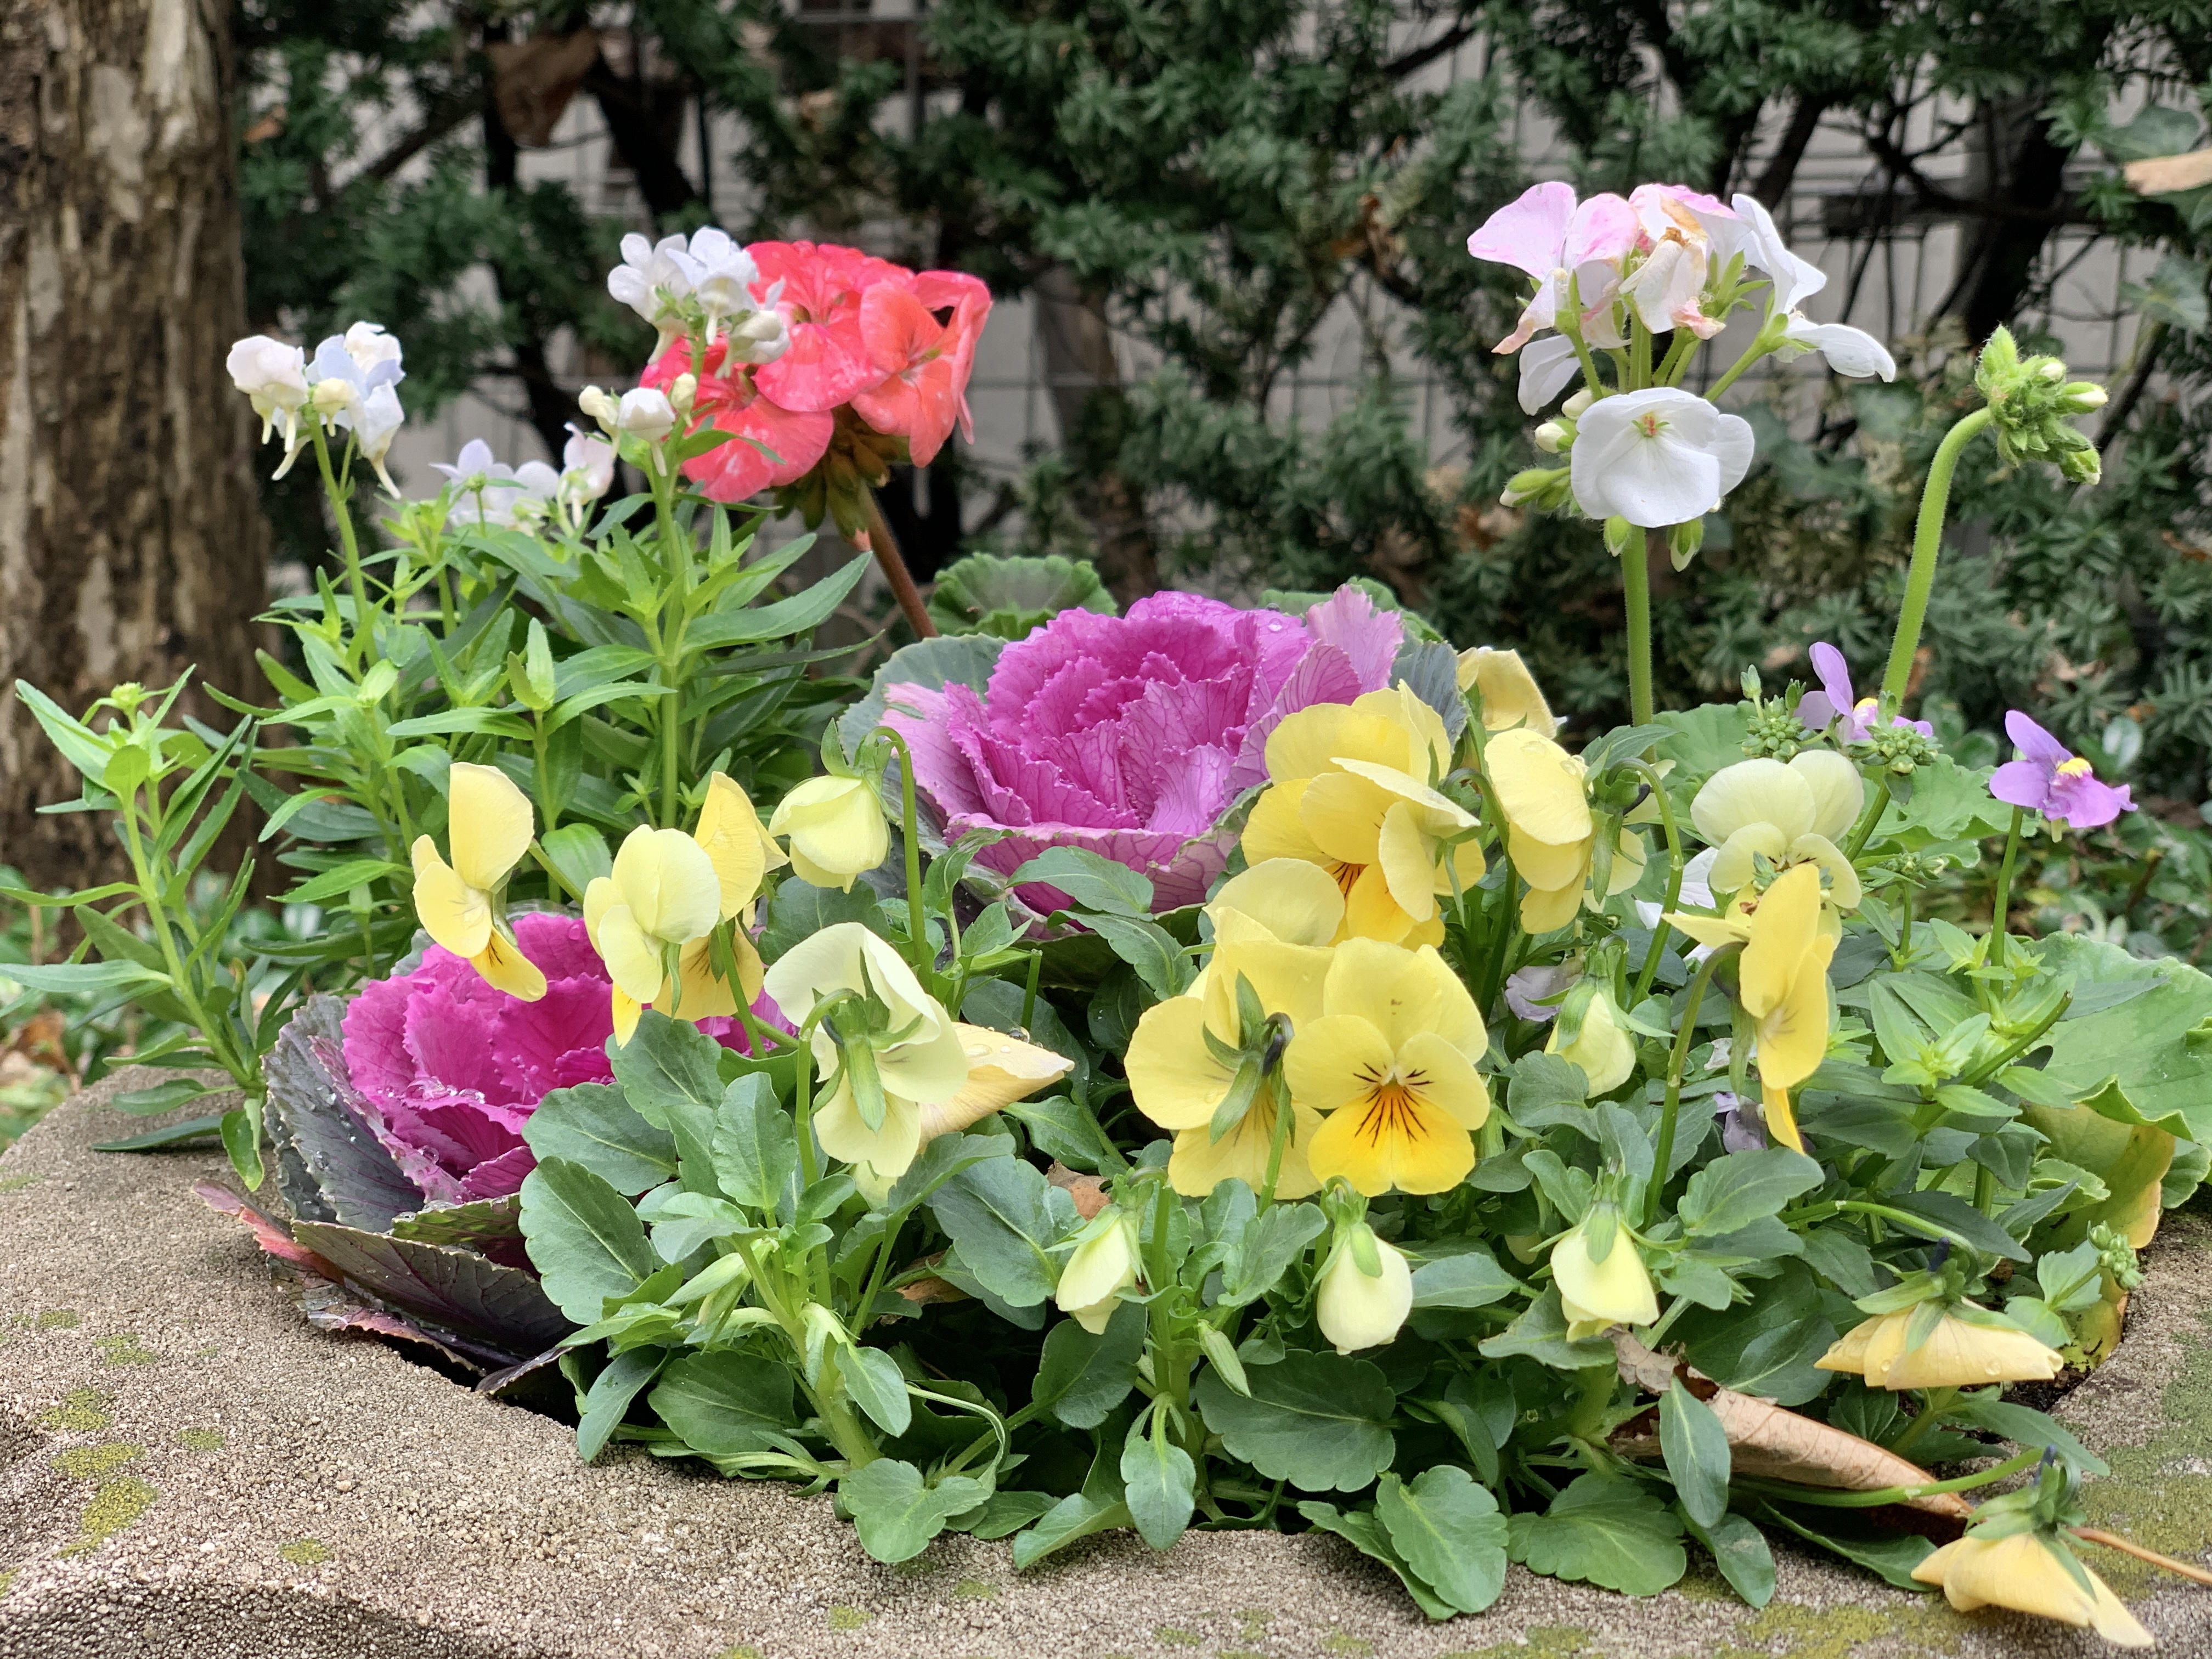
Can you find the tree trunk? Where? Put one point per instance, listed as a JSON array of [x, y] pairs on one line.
[[131, 542], [1085, 381]]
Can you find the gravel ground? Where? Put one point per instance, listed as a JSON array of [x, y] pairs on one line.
[[187, 1469]]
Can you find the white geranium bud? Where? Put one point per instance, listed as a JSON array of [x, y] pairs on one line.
[[2082, 396], [1550, 436], [761, 338], [1578, 405], [596, 403], [2052, 369], [1104, 1265], [683, 394], [1354, 1308], [644, 413]]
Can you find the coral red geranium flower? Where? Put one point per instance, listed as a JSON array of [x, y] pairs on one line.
[[821, 296], [925, 363], [738, 404]]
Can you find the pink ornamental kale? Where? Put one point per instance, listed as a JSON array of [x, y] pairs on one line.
[[453, 1068], [1127, 735]]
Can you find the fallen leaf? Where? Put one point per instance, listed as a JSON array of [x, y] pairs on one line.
[[1772, 1443], [1088, 1191], [2162, 175]]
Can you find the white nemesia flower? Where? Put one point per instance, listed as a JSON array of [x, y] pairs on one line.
[[1849, 351], [588, 466], [644, 413], [1657, 458], [368, 344], [354, 375], [721, 274], [494, 494], [274, 376]]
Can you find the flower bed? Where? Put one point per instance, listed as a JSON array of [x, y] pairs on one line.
[[1207, 1068]]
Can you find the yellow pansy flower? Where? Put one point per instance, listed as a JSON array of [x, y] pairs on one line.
[[1510, 696], [1179, 1082], [663, 891], [836, 831], [489, 826], [1351, 793], [1356, 1309], [1602, 1048], [1783, 983], [1792, 814], [1957, 1353], [731, 835], [1105, 1263], [1595, 1296], [1391, 1061], [1550, 829], [2023, 1571]]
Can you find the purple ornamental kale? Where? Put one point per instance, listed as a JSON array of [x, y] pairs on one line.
[[453, 1068], [2049, 780], [1127, 735]]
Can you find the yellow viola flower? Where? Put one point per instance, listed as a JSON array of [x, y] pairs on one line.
[[489, 826], [836, 831], [1391, 1061], [1287, 899], [1178, 1082], [1602, 1048], [1957, 1353], [1510, 696], [1356, 1309], [1783, 983], [1792, 814], [1550, 830], [2023, 1571], [663, 891], [1106, 1263], [1351, 793], [731, 835], [1597, 1295]]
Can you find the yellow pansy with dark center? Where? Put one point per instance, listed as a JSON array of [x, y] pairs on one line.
[[489, 828]]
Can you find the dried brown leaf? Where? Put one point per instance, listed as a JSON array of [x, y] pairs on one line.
[[2162, 175], [1088, 1191]]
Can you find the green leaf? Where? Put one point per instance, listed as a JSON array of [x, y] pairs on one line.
[[2155, 1047], [607, 1402], [986, 593], [1092, 883], [1952, 1216], [69, 978], [1606, 1531], [1005, 1512], [240, 1129], [585, 1238], [897, 1513], [1732, 1192], [1271, 1241], [1160, 1485], [192, 1130], [1472, 1278], [931, 664], [579, 853], [1365, 1532], [797, 615], [726, 1404], [1004, 1218], [490, 722], [81, 747], [1081, 1377], [1078, 1515], [1892, 1555], [757, 1147], [1448, 1531], [1696, 1449], [593, 1125], [162, 1097], [800, 911], [670, 1074], [1150, 949], [1541, 1332], [342, 879], [872, 1378], [1320, 1419], [1738, 1550]]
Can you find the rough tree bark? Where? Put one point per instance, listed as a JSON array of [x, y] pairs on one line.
[[1079, 367], [131, 543]]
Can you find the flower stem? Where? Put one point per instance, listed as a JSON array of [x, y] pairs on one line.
[[2113, 1541], [1674, 883], [885, 547], [1636, 595], [1863, 831], [364, 629], [1937, 1401], [1926, 544], [1671, 1108], [909, 830], [1995, 941]]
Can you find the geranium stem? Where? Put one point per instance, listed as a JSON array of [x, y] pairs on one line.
[[1636, 595], [885, 547], [1926, 544]]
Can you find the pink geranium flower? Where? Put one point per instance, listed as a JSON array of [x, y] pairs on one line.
[[1546, 233], [823, 288], [927, 363], [453, 1068], [770, 445], [1127, 735]]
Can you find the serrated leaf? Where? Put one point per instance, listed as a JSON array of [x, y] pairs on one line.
[[1605, 1531], [897, 1513], [1448, 1531], [1320, 1419], [1080, 1378], [585, 1238], [592, 1124]]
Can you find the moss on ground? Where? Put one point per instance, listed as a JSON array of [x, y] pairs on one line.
[[305, 1552], [200, 1439], [116, 1504], [124, 1348], [81, 1411], [849, 1617]]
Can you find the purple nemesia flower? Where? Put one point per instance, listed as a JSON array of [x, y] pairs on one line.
[[1127, 735], [2049, 780], [1743, 1128], [1526, 989], [453, 1068], [1834, 701]]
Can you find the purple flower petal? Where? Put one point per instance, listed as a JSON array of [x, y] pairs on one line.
[[2034, 743], [500, 1176], [2081, 802], [2021, 783]]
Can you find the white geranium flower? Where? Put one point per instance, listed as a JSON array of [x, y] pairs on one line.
[[1549, 367], [1752, 232], [1657, 458], [645, 412]]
